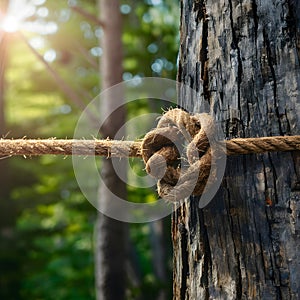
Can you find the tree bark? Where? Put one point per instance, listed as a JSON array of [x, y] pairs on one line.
[[110, 234], [242, 58]]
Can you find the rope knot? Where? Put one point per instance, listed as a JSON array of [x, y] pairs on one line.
[[178, 154]]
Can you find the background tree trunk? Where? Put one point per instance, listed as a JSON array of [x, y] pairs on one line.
[[242, 58], [9, 265], [159, 257], [3, 63], [2, 70], [110, 234]]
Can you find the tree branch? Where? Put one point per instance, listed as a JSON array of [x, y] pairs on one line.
[[66, 89], [87, 15], [87, 56]]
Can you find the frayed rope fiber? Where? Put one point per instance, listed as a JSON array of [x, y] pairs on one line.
[[177, 152]]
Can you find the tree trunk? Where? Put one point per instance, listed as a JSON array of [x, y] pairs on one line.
[[9, 264], [158, 248], [3, 61], [242, 58], [111, 234]]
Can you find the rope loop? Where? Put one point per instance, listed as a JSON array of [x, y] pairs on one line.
[[178, 154]]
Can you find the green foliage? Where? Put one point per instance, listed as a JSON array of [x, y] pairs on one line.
[[55, 234], [54, 225], [151, 36]]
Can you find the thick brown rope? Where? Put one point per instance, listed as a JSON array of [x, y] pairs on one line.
[[108, 148], [178, 153], [180, 176], [113, 148]]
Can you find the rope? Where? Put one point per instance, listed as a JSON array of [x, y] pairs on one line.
[[177, 132], [122, 149], [181, 176], [108, 148]]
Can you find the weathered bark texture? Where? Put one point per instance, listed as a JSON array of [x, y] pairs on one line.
[[110, 234], [242, 58]]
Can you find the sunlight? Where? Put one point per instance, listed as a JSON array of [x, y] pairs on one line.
[[18, 13], [10, 24]]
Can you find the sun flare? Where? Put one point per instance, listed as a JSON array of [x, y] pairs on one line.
[[26, 15], [10, 24]]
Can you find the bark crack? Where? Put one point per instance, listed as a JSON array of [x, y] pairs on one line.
[[255, 19], [261, 246], [207, 255], [184, 255], [237, 268], [235, 46], [239, 288], [274, 178], [271, 62], [261, 253], [274, 272], [204, 53], [292, 24]]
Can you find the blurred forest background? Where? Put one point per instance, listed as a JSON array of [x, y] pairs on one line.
[[49, 70]]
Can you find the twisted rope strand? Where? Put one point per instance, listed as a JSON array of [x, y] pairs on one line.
[[114, 148], [107, 148], [262, 144], [181, 153]]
